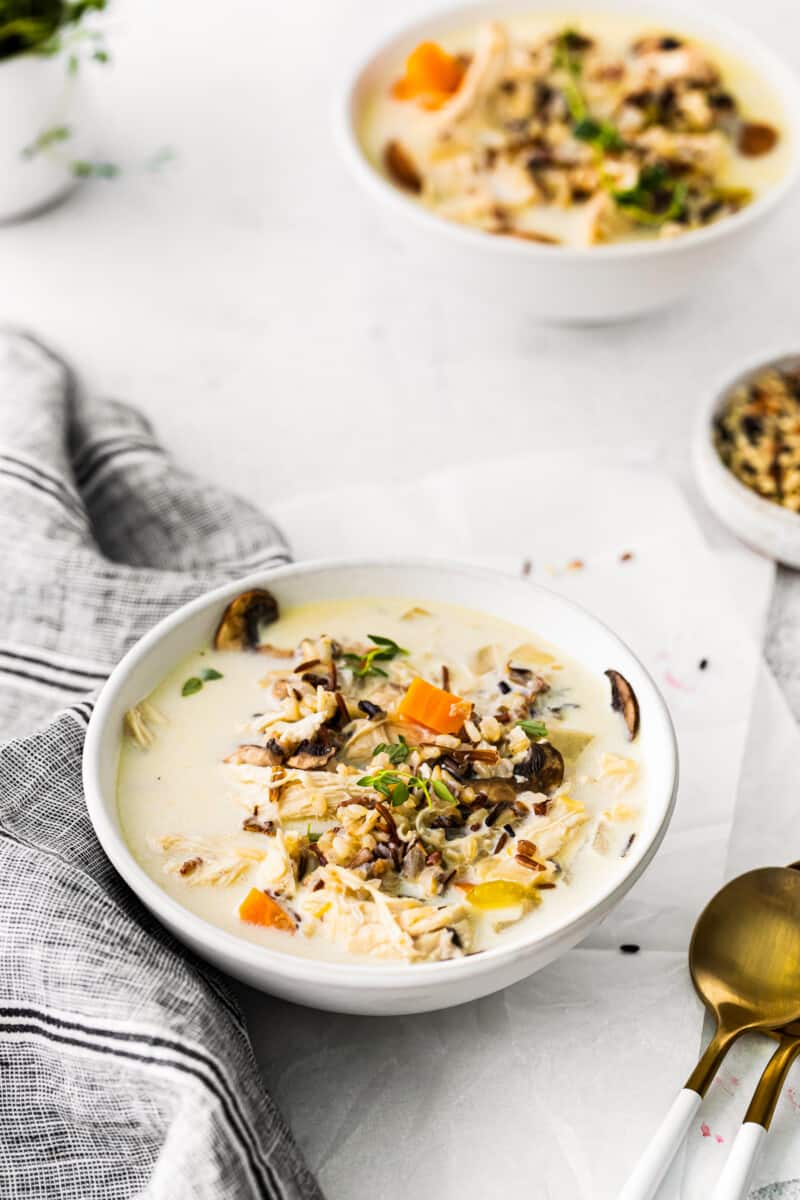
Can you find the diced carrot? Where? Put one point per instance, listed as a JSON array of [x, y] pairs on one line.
[[433, 707], [258, 908], [432, 76]]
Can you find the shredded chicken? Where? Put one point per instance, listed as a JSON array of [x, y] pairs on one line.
[[140, 722]]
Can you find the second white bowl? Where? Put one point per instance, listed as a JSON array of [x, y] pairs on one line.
[[560, 283]]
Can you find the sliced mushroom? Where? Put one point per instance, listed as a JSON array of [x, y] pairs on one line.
[[498, 791], [401, 167], [254, 824], [243, 619], [256, 756], [623, 700], [313, 753], [756, 139], [414, 861], [542, 770]]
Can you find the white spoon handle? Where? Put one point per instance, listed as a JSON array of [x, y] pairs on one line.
[[652, 1166], [735, 1179]]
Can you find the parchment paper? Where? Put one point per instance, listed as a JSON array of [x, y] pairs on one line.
[[550, 1088]]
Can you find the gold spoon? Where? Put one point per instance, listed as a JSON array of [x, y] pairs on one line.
[[744, 960]]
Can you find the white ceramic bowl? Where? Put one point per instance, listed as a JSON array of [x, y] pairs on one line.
[[560, 283], [766, 527], [380, 988]]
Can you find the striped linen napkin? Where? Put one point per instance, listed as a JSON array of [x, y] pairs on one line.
[[125, 1064]]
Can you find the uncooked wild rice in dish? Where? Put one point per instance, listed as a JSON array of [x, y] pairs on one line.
[[600, 131], [411, 783], [757, 434]]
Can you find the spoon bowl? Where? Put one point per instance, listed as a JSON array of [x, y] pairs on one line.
[[744, 960]]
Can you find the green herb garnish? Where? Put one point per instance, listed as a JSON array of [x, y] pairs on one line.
[[364, 664], [656, 198], [312, 837], [397, 751], [534, 729], [600, 134], [191, 686], [209, 673], [396, 787], [603, 135], [567, 59]]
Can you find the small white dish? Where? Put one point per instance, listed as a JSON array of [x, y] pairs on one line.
[[380, 988], [766, 527], [562, 283]]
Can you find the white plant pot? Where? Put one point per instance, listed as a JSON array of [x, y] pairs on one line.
[[37, 93]]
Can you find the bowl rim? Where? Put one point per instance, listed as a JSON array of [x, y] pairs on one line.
[[707, 458], [347, 976], [783, 81]]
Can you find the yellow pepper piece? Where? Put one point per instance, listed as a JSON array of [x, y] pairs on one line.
[[499, 893]]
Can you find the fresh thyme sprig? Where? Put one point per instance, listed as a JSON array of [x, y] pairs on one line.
[[534, 729], [195, 682], [603, 135], [397, 788], [656, 197], [397, 752], [364, 664]]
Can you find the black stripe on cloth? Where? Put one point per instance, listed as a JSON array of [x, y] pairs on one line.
[[47, 476], [39, 486], [90, 676], [30, 1030], [83, 711], [29, 1020], [128, 446], [43, 682], [93, 447]]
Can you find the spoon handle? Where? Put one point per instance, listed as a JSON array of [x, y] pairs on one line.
[[735, 1179], [651, 1168]]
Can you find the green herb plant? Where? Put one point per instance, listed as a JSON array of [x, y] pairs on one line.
[[47, 28], [44, 26]]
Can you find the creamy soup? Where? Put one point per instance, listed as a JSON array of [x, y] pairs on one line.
[[575, 131], [381, 778]]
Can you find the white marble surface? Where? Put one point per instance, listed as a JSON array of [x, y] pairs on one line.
[[253, 302]]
